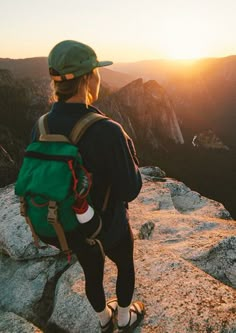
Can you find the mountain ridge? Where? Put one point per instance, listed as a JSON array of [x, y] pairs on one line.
[[37, 68]]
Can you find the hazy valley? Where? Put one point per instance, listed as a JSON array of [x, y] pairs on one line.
[[162, 113]]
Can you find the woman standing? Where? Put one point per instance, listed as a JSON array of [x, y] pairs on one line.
[[109, 155]]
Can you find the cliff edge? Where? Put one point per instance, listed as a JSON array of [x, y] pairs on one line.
[[185, 252]]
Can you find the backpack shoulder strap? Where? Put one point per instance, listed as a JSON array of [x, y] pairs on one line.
[[83, 124], [43, 124], [79, 129], [43, 131]]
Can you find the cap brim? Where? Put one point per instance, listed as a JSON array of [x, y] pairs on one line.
[[104, 63]]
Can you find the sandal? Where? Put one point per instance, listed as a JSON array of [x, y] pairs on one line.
[[138, 308], [109, 327]]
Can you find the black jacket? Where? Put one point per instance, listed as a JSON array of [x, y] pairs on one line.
[[110, 156]]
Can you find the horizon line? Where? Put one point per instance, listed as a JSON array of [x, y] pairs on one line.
[[141, 60]]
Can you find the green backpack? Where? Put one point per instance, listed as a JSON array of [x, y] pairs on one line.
[[51, 179]]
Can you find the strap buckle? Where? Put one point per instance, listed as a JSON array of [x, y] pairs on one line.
[[52, 212]]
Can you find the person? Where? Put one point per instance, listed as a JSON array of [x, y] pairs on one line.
[[109, 155]]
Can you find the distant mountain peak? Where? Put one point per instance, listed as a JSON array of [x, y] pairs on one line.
[[153, 84], [136, 83], [138, 106]]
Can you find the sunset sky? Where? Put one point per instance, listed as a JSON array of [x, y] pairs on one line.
[[124, 30]]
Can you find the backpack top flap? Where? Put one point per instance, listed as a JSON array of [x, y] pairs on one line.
[[47, 168]]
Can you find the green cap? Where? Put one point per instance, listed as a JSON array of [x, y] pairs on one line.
[[70, 59]]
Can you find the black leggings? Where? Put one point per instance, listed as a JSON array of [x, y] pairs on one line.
[[92, 263]]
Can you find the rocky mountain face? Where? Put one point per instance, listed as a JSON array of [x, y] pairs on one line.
[[142, 108], [21, 102], [146, 113], [8, 168], [202, 91], [185, 248]]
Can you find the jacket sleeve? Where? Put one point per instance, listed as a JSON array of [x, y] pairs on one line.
[[126, 177]]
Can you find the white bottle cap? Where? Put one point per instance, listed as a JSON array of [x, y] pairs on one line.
[[87, 216]]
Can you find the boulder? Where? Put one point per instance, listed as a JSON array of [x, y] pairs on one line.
[[15, 235], [11, 323], [27, 287], [219, 261], [72, 312]]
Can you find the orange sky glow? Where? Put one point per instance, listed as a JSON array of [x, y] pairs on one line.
[[121, 31]]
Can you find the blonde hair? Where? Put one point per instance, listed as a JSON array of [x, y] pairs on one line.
[[63, 90]]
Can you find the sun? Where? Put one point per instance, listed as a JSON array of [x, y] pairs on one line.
[[184, 40], [184, 49]]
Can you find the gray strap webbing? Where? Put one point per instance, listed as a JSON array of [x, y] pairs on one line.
[[83, 124]]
